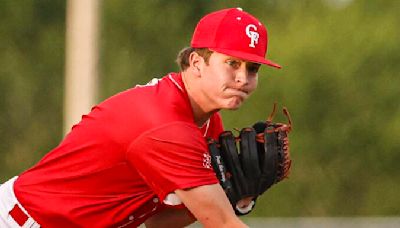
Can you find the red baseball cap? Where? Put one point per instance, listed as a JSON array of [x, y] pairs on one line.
[[235, 33]]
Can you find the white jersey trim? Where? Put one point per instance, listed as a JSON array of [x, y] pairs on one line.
[[175, 82], [180, 87], [207, 126]]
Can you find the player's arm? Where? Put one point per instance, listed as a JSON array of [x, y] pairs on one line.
[[210, 206], [208, 209]]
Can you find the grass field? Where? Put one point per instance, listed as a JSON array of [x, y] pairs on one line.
[[347, 222]]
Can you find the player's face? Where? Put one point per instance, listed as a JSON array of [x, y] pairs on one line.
[[228, 81]]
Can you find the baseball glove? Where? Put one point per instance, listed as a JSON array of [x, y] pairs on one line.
[[247, 165]]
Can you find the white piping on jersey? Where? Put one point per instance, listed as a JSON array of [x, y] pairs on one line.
[[208, 125], [131, 218], [179, 87], [175, 82]]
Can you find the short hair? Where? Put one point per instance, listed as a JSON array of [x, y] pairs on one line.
[[183, 57]]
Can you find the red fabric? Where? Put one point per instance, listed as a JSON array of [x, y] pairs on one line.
[[171, 157], [18, 215], [130, 149]]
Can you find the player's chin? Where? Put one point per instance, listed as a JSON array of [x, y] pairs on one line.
[[234, 103]]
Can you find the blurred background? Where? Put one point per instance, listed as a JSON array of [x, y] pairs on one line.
[[340, 81]]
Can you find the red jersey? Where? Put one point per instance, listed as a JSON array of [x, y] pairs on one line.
[[117, 165]]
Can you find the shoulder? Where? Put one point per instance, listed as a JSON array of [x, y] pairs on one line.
[[155, 103], [148, 91]]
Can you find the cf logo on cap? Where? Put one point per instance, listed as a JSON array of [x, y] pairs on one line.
[[251, 32]]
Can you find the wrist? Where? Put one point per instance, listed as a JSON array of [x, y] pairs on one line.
[[243, 210]]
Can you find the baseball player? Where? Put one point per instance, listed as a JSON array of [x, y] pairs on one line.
[[141, 155]]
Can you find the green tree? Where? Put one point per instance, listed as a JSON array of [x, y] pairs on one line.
[[339, 81]]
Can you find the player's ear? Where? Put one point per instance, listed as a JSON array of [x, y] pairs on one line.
[[195, 60]]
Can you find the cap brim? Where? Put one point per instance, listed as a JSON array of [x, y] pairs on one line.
[[246, 56]]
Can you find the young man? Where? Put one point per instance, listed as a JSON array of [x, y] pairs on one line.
[[141, 155]]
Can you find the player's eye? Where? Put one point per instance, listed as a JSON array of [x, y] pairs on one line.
[[234, 63], [253, 68]]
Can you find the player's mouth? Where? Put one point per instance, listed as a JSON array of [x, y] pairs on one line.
[[243, 94]]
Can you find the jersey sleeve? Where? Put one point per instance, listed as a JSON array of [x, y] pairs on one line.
[[170, 157]]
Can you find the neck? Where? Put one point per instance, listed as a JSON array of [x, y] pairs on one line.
[[201, 115]]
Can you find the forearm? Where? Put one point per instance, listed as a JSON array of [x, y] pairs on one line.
[[223, 222], [210, 206], [232, 222]]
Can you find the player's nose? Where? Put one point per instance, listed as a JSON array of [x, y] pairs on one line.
[[242, 76]]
